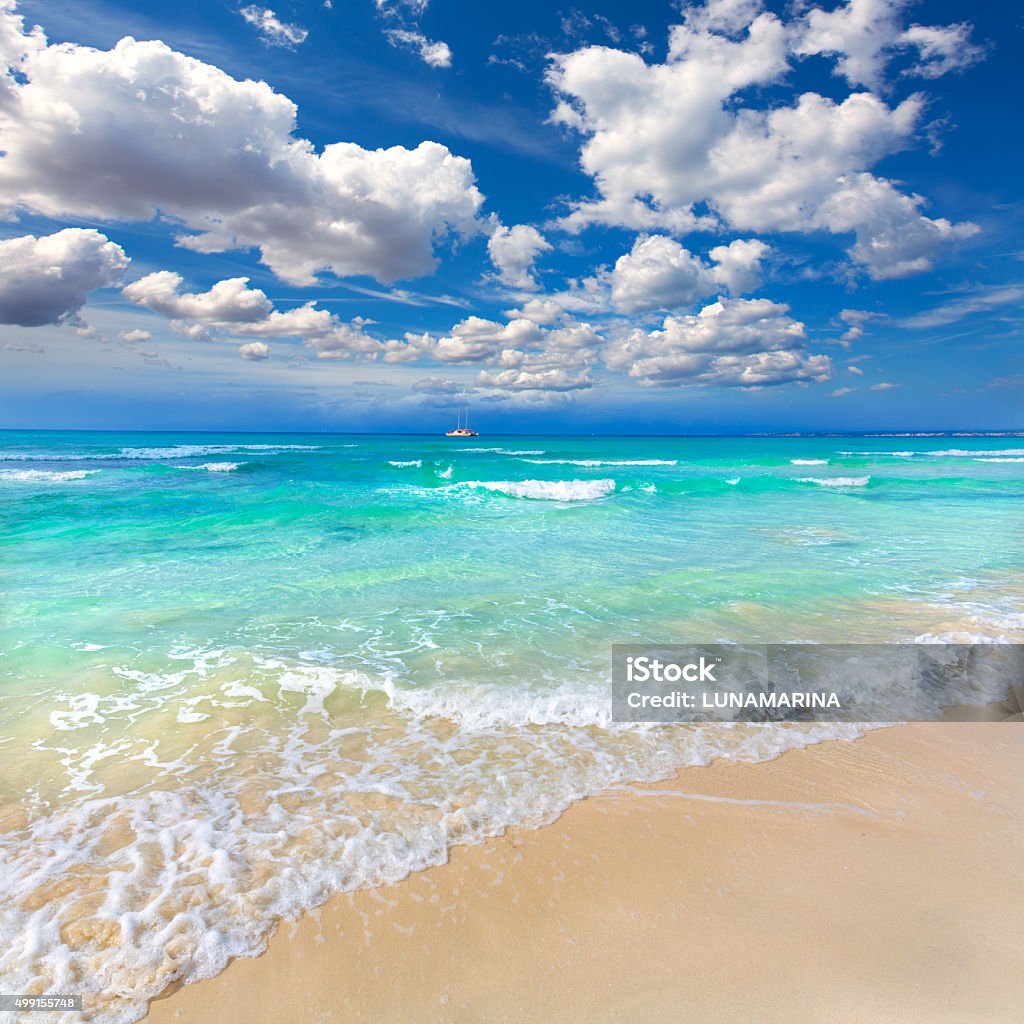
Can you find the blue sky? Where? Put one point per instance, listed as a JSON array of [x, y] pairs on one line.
[[729, 216]]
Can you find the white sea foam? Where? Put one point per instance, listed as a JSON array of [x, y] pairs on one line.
[[949, 453], [733, 481], [445, 474], [809, 462], [215, 467], [178, 451], [412, 463], [603, 462], [1000, 460], [504, 451], [45, 476], [966, 452], [835, 481], [548, 490], [245, 840]]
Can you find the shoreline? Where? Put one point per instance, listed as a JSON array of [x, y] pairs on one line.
[[871, 880]]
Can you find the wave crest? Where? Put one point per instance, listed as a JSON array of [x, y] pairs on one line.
[[547, 490]]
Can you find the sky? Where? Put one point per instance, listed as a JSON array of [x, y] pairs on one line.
[[730, 216]]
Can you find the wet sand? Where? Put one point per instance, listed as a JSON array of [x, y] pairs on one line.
[[873, 882]]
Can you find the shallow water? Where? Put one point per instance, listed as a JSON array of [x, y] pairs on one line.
[[243, 672]]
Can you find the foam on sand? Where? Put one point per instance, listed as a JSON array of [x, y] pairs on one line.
[[547, 490]]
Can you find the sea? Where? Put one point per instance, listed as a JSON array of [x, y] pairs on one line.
[[242, 673]]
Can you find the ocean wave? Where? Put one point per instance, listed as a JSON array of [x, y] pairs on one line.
[[142, 454], [505, 451], [809, 462], [215, 467], [947, 453], [901, 455], [445, 474], [965, 452], [547, 490], [411, 463], [603, 462], [733, 481], [1014, 459], [835, 481], [45, 475]]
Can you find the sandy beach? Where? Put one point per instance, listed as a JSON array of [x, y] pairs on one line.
[[876, 881]]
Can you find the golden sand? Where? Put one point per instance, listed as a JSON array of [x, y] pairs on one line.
[[874, 882]]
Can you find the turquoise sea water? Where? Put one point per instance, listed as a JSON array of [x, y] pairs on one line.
[[240, 673]]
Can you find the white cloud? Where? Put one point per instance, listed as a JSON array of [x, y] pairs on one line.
[[273, 31], [544, 311], [513, 252], [140, 129], [733, 342], [254, 350], [658, 273], [135, 337], [980, 301], [553, 379], [395, 8], [863, 35], [228, 301], [942, 49], [46, 279], [668, 147], [435, 54], [230, 307], [883, 385], [471, 340], [842, 392], [522, 356]]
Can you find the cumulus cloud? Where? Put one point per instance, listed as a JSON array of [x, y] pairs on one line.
[[272, 30], [864, 35], [254, 350], [513, 252], [230, 307], [658, 273], [47, 279], [521, 355], [668, 146], [135, 337], [433, 53], [140, 129], [733, 342], [542, 311], [228, 301]]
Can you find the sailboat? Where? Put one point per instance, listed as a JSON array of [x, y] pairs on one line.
[[460, 430]]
